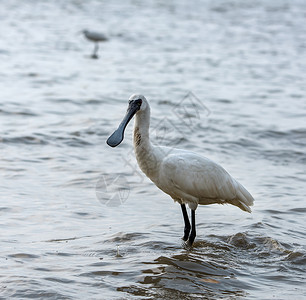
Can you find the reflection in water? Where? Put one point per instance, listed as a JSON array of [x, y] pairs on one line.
[[214, 270]]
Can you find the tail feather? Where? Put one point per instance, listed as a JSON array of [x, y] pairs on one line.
[[244, 199]]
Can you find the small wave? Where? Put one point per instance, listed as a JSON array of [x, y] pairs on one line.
[[64, 100], [156, 245], [100, 273], [190, 275], [25, 113], [297, 257], [166, 102], [59, 280], [192, 263], [77, 142], [78, 102], [5, 209], [23, 256], [124, 237], [275, 212], [298, 210], [240, 240], [261, 243], [282, 147], [79, 182], [223, 100], [27, 140], [266, 248], [294, 136], [285, 156], [45, 139], [62, 240], [64, 254], [244, 142]]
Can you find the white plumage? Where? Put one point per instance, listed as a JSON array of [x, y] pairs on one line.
[[193, 179], [186, 177]]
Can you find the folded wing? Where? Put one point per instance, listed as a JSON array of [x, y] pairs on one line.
[[198, 177]]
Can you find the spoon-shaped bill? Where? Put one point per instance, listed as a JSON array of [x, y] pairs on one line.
[[117, 137]]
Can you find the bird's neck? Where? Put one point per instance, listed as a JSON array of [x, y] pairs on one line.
[[141, 130], [144, 150]]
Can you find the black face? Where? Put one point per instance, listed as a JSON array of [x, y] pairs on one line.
[[138, 102], [117, 137]]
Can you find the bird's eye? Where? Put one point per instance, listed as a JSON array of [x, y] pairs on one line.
[[139, 102]]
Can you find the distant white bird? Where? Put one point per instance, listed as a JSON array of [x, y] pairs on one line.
[[95, 37], [186, 177]]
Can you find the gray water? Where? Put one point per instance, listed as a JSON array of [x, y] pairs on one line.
[[225, 79]]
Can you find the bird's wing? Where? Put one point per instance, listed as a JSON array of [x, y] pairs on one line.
[[95, 36], [204, 179]]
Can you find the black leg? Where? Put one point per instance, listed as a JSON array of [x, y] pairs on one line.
[[193, 229], [95, 53], [187, 223]]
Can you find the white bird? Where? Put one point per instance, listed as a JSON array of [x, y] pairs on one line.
[[186, 177], [95, 37]]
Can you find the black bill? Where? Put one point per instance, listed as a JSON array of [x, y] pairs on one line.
[[117, 137]]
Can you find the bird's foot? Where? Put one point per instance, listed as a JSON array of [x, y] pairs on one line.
[[185, 238], [95, 56], [187, 245]]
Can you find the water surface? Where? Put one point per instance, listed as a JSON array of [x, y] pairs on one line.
[[244, 64]]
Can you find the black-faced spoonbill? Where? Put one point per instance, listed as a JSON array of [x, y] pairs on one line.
[[95, 37], [186, 177]]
